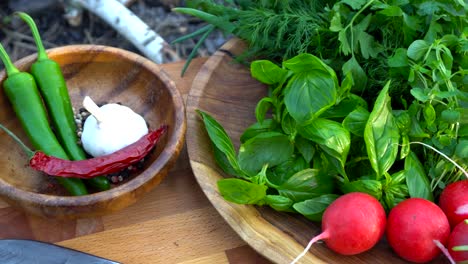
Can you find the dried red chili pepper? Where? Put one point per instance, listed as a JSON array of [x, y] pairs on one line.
[[93, 167]]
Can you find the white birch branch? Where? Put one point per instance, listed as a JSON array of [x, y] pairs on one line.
[[126, 23]]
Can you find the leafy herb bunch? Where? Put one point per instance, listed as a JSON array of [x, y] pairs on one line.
[[361, 96]]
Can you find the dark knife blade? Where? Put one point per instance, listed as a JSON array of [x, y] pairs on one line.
[[22, 251]]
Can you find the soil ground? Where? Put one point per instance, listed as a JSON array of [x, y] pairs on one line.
[[56, 31]]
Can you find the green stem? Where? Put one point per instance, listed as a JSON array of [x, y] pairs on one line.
[[9, 66], [41, 53], [350, 25], [28, 151], [196, 47]]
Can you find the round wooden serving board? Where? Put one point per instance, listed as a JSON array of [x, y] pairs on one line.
[[225, 89]]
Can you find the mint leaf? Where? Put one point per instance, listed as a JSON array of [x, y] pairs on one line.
[[418, 49]]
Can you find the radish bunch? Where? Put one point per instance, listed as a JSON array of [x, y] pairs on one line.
[[416, 229]]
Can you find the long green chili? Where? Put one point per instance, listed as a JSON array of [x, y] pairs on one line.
[[26, 101], [52, 85]]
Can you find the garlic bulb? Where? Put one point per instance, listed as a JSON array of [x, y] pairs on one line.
[[110, 127]]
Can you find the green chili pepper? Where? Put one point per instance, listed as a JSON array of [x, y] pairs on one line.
[[24, 96], [53, 88]]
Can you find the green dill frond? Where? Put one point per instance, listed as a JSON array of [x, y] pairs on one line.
[[281, 33]]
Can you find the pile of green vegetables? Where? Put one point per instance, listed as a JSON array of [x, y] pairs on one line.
[[367, 96]]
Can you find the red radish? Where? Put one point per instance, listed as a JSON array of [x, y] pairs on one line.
[[352, 224], [454, 202], [412, 227], [457, 239]]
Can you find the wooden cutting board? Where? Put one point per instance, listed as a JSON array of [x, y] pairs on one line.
[[224, 89]]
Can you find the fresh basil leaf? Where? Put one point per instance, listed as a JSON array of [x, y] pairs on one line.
[[344, 107], [220, 139], [241, 191], [314, 208], [309, 94], [359, 76], [288, 124], [267, 125], [356, 121], [267, 72], [279, 203], [418, 49], [306, 184], [371, 187], [403, 120], [262, 108], [270, 148], [223, 162], [416, 179], [306, 62], [305, 147], [330, 135], [381, 134], [282, 172]]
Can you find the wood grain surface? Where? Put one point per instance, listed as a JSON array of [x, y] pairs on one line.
[[174, 223], [225, 90]]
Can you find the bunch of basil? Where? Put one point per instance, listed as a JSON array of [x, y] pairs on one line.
[[315, 139]]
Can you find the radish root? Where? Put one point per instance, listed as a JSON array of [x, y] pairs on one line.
[[444, 250], [323, 235]]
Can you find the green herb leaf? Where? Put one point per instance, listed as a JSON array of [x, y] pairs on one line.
[[399, 59], [305, 147], [359, 76], [262, 108], [371, 187], [382, 134], [416, 179], [288, 124], [314, 208], [356, 121], [223, 162], [309, 94], [331, 137], [270, 148], [279, 203], [355, 4], [418, 49], [461, 150], [241, 191], [267, 72], [279, 174], [268, 125], [391, 11], [220, 139], [306, 184]]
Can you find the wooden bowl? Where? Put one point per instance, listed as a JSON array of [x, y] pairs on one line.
[[225, 89], [108, 75]]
